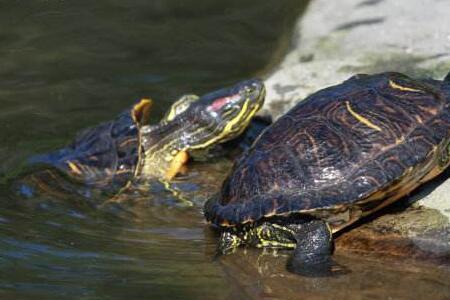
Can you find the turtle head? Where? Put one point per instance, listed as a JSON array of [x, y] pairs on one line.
[[224, 114], [196, 123]]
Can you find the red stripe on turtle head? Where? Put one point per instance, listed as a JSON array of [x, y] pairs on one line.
[[219, 103]]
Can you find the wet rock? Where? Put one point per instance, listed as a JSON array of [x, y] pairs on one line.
[[415, 233], [335, 40]]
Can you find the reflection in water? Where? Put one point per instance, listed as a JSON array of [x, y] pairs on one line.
[[263, 275], [144, 246]]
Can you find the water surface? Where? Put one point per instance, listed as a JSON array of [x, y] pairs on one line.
[[68, 65]]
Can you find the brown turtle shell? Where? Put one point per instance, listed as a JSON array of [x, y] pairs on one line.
[[104, 156], [342, 153]]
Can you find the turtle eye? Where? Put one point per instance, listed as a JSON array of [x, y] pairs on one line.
[[249, 89], [252, 88]]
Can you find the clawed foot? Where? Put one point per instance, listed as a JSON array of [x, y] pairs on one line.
[[312, 255]]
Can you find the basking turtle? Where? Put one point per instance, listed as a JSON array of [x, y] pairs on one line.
[[110, 155], [339, 155]]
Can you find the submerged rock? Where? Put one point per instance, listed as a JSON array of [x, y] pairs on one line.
[[335, 40]]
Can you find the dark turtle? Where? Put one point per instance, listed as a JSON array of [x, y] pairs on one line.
[[110, 155], [339, 155]]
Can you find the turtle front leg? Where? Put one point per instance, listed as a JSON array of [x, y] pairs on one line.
[[177, 165], [314, 242], [312, 255]]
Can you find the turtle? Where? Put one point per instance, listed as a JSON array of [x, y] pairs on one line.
[[111, 155], [339, 155]]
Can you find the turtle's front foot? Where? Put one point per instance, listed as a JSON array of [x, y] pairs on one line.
[[312, 256]]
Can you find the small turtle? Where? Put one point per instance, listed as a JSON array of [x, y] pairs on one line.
[[110, 155], [339, 155]]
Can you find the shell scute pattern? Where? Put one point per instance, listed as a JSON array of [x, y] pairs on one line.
[[104, 155], [323, 155]]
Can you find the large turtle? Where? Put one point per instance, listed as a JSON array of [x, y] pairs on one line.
[[107, 157], [339, 155]]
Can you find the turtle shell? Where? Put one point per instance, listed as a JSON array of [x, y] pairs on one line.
[[103, 157], [342, 153]]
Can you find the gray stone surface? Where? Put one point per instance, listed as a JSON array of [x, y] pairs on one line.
[[336, 39]]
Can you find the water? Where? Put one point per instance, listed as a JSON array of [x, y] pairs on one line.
[[68, 65]]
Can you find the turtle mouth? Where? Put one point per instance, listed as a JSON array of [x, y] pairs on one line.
[[252, 97], [254, 89]]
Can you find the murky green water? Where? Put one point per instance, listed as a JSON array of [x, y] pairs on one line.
[[67, 65]]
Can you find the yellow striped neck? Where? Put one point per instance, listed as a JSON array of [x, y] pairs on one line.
[[157, 150]]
